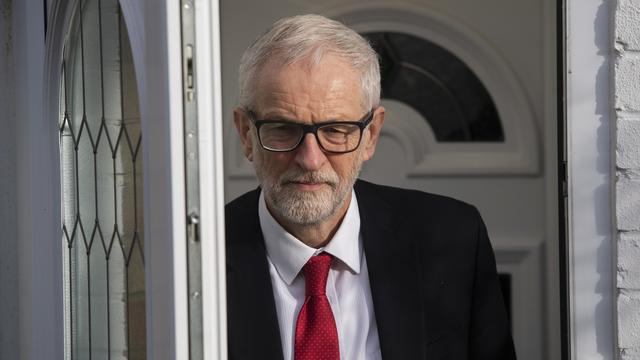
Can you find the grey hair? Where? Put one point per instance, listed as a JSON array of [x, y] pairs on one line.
[[310, 37]]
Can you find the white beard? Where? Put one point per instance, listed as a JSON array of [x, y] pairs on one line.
[[306, 207]]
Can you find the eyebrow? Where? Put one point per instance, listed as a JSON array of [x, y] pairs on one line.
[[280, 118]]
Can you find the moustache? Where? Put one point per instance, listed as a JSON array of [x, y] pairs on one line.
[[330, 178]]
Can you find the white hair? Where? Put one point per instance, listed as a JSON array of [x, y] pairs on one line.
[[310, 37]]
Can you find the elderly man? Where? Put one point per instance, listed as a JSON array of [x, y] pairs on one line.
[[321, 265]]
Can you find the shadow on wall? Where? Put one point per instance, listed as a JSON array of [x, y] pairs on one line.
[[602, 194]]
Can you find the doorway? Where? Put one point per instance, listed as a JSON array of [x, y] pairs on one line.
[[498, 153]]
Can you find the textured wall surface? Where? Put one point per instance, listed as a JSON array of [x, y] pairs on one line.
[[627, 107]]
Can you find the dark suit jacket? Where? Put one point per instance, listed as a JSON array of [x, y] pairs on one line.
[[432, 274]]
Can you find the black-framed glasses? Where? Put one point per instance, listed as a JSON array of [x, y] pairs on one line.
[[337, 137]]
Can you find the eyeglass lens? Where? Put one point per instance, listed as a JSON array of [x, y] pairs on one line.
[[332, 137]]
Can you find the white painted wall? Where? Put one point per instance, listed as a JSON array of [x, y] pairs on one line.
[[627, 206]]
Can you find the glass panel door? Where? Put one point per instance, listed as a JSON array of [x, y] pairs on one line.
[[101, 188]]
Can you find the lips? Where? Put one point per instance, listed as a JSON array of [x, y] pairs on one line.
[[307, 186], [309, 180]]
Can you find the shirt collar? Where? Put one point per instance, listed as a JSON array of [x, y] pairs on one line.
[[288, 254]]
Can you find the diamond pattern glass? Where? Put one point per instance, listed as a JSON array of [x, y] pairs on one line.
[[101, 180]]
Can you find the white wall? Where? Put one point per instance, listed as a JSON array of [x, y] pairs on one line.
[[627, 114]]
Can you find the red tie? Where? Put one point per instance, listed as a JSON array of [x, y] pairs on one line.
[[316, 333]]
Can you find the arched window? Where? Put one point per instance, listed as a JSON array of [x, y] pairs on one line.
[[438, 85]]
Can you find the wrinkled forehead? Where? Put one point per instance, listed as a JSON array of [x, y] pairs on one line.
[[328, 82]]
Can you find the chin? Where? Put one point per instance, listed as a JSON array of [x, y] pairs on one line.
[[307, 207]]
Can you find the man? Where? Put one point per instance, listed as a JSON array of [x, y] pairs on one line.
[[323, 266]]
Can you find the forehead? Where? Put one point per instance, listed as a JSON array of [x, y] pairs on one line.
[[328, 89]]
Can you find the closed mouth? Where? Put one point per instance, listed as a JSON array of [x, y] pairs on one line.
[[306, 185]]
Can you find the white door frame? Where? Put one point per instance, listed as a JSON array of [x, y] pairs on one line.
[[159, 88], [40, 298], [211, 174], [590, 180]]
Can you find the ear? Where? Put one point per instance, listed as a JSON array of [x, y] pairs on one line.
[[374, 129], [243, 126]]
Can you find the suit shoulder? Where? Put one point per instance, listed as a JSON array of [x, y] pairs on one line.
[[243, 203], [410, 201]]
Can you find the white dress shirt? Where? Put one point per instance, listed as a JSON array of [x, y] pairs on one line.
[[348, 288]]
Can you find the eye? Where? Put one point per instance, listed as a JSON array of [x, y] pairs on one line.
[[338, 129], [339, 134], [278, 135], [280, 128]]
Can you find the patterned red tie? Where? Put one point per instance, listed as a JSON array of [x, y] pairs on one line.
[[316, 333]]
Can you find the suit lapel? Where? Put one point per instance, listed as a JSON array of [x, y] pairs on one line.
[[393, 276], [253, 322]]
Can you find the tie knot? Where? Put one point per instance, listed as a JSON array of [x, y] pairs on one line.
[[316, 271]]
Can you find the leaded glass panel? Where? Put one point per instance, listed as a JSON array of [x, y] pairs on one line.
[[101, 177]]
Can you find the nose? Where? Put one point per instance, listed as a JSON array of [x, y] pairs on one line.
[[309, 155]]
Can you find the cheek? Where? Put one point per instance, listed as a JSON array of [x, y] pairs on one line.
[[274, 163], [345, 167]]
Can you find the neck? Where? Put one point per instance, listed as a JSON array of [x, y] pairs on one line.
[[315, 235]]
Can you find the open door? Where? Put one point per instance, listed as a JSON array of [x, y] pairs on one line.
[[133, 90]]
